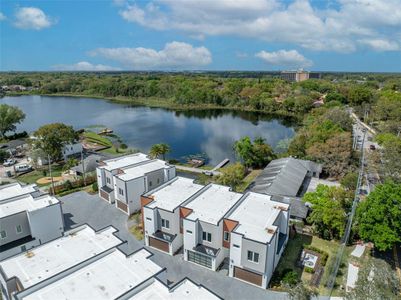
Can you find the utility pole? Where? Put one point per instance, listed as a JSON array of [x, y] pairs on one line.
[[50, 172], [83, 167]]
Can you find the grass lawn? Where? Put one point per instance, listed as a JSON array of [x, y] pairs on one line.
[[294, 248], [98, 139], [248, 179], [112, 150], [33, 176], [136, 228]]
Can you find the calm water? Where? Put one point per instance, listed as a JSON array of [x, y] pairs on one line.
[[208, 132]]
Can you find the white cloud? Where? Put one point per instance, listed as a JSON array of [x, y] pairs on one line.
[[334, 29], [84, 66], [2, 16], [32, 18], [287, 58], [174, 55], [381, 44]]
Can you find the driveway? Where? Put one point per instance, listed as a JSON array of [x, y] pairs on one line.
[[80, 208]]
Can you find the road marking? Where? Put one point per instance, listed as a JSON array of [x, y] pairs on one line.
[[397, 263]]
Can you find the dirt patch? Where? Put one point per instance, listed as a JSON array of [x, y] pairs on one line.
[[47, 180]]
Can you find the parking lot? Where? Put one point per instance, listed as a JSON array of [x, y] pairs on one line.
[[80, 208]]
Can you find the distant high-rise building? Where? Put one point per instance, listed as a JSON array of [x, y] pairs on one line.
[[299, 75]]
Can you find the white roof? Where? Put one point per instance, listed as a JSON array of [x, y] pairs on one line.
[[352, 275], [40, 263], [124, 161], [173, 193], [140, 170], [25, 203], [255, 215], [15, 189], [184, 290], [107, 278], [213, 203]]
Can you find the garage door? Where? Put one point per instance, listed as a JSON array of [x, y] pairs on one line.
[[122, 206], [104, 195], [200, 259], [247, 276], [158, 244]]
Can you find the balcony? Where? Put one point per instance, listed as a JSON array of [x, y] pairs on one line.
[[206, 250], [164, 236]]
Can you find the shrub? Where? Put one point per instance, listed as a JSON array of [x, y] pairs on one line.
[[309, 270], [123, 146], [95, 187], [290, 277], [323, 255], [44, 172]]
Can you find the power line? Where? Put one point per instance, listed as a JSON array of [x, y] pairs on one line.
[[332, 278]]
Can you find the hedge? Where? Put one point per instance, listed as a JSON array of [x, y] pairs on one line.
[[323, 255]]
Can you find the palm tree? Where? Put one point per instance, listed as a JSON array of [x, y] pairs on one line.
[[164, 149], [155, 151]]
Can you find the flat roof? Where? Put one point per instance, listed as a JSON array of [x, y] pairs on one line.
[[184, 290], [173, 193], [124, 161], [213, 203], [15, 189], [107, 278], [255, 214], [41, 263], [140, 170], [25, 203]]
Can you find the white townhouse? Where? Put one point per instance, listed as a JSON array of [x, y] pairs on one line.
[[162, 213], [85, 264], [27, 219], [123, 180], [46, 262], [258, 236], [204, 225]]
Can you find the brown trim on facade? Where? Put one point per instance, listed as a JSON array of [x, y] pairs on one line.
[[145, 200], [104, 195], [158, 244], [122, 205], [184, 212], [228, 225]]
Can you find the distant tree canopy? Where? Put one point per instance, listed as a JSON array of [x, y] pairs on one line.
[[379, 216], [10, 116], [232, 175], [51, 139]]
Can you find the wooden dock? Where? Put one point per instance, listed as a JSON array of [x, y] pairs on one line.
[[221, 164]]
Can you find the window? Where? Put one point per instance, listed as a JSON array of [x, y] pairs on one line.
[[206, 236], [158, 180], [18, 228], [150, 183], [226, 236], [149, 219], [3, 234], [236, 246], [121, 191], [108, 180], [253, 256], [189, 231], [165, 223], [23, 248]]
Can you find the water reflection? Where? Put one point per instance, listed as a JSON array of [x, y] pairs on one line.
[[211, 132]]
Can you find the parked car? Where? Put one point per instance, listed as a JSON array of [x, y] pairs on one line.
[[23, 168], [9, 162], [372, 147]]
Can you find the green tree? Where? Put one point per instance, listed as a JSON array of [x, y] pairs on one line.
[[257, 154], [232, 175], [376, 280], [379, 216], [164, 149], [358, 95], [243, 148], [349, 181], [9, 117], [51, 139], [4, 155], [329, 210]]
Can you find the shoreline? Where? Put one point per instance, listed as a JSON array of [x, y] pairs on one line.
[[162, 103]]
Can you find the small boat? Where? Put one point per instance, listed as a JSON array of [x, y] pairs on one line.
[[196, 162], [106, 131]]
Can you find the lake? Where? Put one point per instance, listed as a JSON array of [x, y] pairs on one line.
[[208, 132]]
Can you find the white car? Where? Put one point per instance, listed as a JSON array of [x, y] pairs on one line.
[[23, 168], [9, 162]]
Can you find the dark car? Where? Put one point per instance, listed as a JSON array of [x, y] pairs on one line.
[[372, 147]]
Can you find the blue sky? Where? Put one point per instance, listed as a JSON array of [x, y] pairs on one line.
[[343, 35]]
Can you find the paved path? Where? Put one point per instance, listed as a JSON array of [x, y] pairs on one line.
[[80, 208]]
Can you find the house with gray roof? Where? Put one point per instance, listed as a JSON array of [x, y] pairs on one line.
[[287, 179]]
